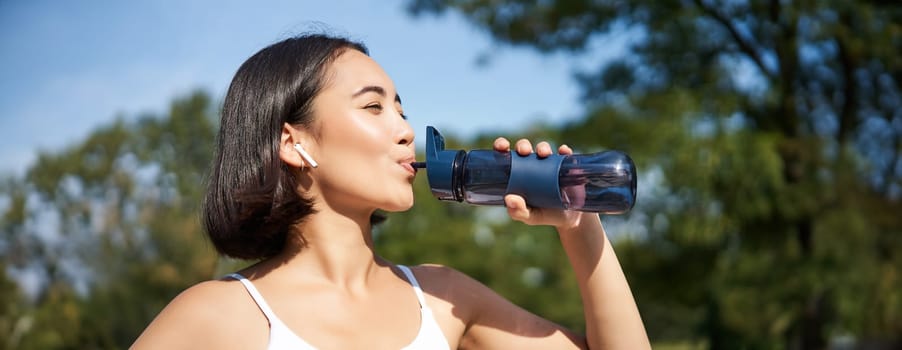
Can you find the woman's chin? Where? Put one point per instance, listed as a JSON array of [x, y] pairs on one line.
[[398, 207]]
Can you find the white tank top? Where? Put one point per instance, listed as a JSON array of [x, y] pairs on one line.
[[430, 335]]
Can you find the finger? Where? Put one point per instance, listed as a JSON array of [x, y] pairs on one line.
[[565, 150], [516, 207], [543, 149], [502, 145], [520, 211], [524, 148]]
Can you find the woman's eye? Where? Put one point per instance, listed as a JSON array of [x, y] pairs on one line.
[[376, 108]]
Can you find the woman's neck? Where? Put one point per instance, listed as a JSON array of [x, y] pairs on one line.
[[335, 249]]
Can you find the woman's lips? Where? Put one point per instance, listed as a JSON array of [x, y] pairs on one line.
[[406, 163], [407, 166]]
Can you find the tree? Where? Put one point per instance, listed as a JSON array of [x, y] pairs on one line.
[[109, 226], [776, 129]]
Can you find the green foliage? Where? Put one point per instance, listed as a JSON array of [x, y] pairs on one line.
[[109, 226], [776, 130], [767, 137]]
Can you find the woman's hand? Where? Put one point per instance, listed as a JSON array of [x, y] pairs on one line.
[[563, 220]]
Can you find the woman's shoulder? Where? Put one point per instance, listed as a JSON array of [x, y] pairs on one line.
[[476, 316], [439, 275], [451, 285], [205, 313], [211, 296], [209, 299]]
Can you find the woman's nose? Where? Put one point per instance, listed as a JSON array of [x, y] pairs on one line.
[[406, 133]]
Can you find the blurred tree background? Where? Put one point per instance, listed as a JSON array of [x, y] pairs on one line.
[[773, 130], [767, 135]]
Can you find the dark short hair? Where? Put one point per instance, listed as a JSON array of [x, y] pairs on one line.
[[252, 200]]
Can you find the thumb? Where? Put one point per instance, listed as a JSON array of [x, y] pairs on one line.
[[517, 208]]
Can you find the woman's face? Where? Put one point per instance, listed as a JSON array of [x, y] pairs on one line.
[[365, 144]]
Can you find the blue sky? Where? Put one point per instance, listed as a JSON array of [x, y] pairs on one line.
[[67, 67]]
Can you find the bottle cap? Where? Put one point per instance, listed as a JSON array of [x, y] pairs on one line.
[[441, 166]]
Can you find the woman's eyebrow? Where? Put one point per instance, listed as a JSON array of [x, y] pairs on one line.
[[372, 88], [377, 89]]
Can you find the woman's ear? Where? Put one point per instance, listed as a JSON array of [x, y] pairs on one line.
[[291, 148]]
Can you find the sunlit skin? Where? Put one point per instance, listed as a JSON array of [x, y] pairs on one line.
[[362, 142], [334, 291]]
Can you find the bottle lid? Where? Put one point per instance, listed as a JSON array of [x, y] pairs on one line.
[[441, 166]]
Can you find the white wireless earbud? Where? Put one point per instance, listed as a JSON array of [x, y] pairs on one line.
[[305, 155]]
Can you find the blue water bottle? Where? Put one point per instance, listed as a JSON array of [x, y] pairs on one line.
[[603, 182]]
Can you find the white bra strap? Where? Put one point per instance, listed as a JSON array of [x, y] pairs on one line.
[[416, 286], [256, 295]]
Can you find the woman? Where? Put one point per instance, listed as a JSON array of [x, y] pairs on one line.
[[313, 140]]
